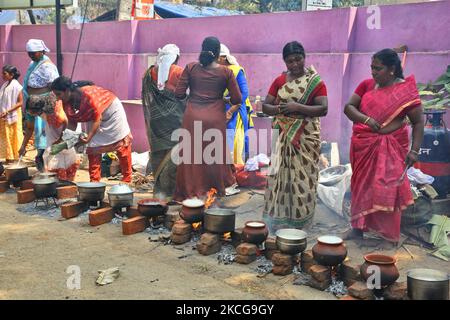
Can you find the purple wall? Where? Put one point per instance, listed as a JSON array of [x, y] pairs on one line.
[[337, 42]]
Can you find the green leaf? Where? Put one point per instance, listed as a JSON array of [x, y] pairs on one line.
[[442, 80], [447, 87], [445, 102]]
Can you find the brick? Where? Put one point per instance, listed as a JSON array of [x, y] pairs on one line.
[[396, 291], [349, 271], [67, 192], [100, 216], [246, 249], [208, 250], [270, 244], [181, 228], [180, 238], [281, 259], [134, 225], [359, 290], [347, 297], [209, 239], [72, 209], [133, 212], [319, 285], [320, 273], [307, 257], [25, 196], [306, 267], [26, 185], [244, 259], [282, 270], [172, 215], [269, 253], [4, 186]]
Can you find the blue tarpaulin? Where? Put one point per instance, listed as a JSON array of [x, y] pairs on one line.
[[173, 10]]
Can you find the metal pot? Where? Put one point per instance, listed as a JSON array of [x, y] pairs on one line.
[[91, 191], [45, 188], [329, 251], [16, 173], [120, 196], [291, 241], [219, 220], [152, 207], [427, 284], [192, 210]]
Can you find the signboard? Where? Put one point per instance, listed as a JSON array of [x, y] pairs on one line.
[[312, 5], [30, 4], [143, 10]]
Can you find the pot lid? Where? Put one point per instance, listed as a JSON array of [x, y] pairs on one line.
[[330, 240], [120, 189], [91, 184], [291, 234], [193, 203], [44, 181], [428, 275]]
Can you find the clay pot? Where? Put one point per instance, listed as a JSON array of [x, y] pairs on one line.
[[386, 264], [329, 251], [192, 210], [255, 232]]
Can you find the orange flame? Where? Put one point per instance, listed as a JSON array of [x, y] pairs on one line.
[[210, 198], [227, 235], [196, 225]]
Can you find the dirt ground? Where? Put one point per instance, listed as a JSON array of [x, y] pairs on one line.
[[36, 251]]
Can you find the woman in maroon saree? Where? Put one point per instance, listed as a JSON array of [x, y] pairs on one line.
[[380, 150]]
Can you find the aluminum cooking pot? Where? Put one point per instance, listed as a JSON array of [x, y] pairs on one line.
[[219, 220], [120, 196], [291, 241], [91, 191], [427, 284]]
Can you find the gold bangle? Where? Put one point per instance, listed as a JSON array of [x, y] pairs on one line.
[[367, 120]]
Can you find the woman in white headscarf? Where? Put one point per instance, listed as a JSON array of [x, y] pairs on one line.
[[40, 75], [163, 114], [238, 116]]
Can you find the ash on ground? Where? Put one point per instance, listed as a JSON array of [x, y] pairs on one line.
[[160, 234], [337, 288], [226, 255], [302, 278], [42, 208], [264, 266]]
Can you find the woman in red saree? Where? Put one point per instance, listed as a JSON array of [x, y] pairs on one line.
[[380, 150]]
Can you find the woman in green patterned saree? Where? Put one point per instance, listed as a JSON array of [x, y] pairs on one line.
[[296, 100]]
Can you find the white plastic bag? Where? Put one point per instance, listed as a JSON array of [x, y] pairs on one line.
[[416, 176], [333, 195], [62, 160], [139, 161]]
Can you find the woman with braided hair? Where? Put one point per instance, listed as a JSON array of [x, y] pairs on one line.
[[205, 113]]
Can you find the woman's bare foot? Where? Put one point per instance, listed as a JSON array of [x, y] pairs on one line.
[[353, 234]]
